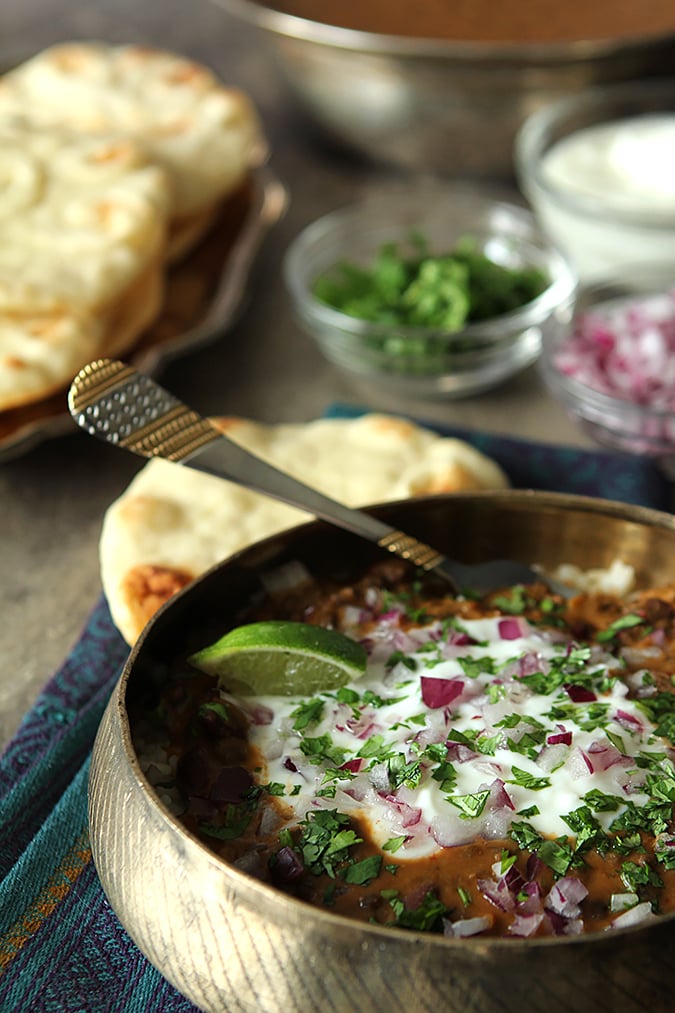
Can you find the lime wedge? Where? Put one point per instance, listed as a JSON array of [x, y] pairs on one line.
[[282, 658]]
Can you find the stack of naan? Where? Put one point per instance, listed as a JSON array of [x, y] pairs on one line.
[[114, 161], [172, 523]]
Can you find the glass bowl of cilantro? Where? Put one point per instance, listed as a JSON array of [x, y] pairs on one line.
[[444, 290]]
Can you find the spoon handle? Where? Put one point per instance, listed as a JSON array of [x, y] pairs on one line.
[[114, 402]]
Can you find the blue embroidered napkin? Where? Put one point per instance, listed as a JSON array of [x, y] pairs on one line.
[[62, 949]]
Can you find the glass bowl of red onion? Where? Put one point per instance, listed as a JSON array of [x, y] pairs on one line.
[[613, 368]]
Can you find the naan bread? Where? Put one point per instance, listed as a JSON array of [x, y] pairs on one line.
[[173, 523], [83, 226], [205, 135]]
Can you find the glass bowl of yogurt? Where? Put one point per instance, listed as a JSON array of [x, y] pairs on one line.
[[613, 368], [598, 169]]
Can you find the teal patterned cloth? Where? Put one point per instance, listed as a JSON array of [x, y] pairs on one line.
[[62, 948]]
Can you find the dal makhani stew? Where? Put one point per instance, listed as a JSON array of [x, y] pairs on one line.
[[505, 765]]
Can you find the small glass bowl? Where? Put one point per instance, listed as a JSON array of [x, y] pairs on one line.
[[601, 233], [423, 362], [615, 422]]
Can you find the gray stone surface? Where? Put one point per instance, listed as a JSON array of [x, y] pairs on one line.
[[53, 498]]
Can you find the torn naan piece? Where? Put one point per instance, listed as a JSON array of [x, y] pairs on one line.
[[173, 523], [83, 227]]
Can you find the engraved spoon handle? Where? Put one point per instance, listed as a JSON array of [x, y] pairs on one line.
[[121, 406], [114, 402]]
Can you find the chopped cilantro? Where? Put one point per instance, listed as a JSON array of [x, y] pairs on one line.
[[446, 774], [325, 840], [506, 861], [214, 707], [529, 743], [558, 855], [616, 741], [237, 819], [660, 709], [401, 772], [473, 667], [665, 850], [424, 918], [322, 749], [308, 713], [588, 831], [375, 748], [464, 896], [601, 802], [347, 695], [408, 284], [393, 844], [285, 838], [510, 720], [361, 873], [274, 788], [476, 740], [525, 836], [470, 806], [527, 780], [530, 810], [588, 716], [515, 602], [622, 623], [337, 774], [373, 700], [399, 658], [634, 875]]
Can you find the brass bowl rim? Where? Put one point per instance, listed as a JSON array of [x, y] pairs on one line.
[[268, 894]]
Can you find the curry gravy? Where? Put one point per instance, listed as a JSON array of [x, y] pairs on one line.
[[506, 883], [544, 21]]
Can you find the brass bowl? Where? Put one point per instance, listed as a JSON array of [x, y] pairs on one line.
[[230, 942], [438, 105]]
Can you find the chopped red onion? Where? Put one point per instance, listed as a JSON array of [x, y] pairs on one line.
[[459, 753], [353, 766], [510, 629], [563, 737], [378, 775], [602, 756], [464, 927], [362, 727], [622, 901], [550, 758], [533, 868], [261, 715], [440, 692], [565, 896], [532, 662], [629, 721], [532, 903], [634, 916], [497, 893], [288, 865], [626, 349], [499, 796], [524, 925], [579, 694], [409, 815]]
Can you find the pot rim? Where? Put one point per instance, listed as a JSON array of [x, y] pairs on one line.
[[267, 894]]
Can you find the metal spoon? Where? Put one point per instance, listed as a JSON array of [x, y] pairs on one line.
[[114, 402]]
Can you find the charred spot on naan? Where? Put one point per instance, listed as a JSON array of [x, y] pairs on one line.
[[147, 587]]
